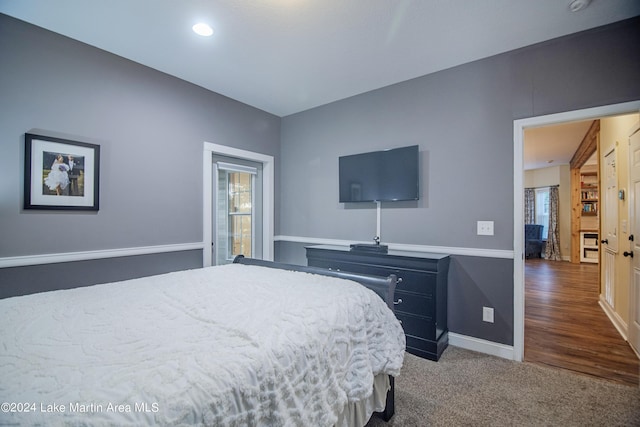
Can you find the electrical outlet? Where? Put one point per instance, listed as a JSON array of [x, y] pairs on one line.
[[487, 314], [485, 228]]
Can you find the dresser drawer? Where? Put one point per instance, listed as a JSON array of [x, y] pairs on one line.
[[415, 304], [420, 282], [421, 327]]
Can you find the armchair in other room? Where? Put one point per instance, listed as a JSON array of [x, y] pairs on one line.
[[533, 241]]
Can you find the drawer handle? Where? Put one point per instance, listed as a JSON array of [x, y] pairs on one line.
[[398, 280], [398, 302]]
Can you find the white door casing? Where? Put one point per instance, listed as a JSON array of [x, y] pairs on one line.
[[268, 213], [518, 197]]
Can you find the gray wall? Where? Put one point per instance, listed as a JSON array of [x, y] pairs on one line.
[[48, 277], [448, 115], [462, 118], [150, 128]]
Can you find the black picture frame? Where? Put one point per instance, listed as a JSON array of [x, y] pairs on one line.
[[61, 174]]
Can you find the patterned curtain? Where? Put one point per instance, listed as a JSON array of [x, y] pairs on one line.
[[552, 250], [529, 206]]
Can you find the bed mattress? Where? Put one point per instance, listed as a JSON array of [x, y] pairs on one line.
[[231, 345]]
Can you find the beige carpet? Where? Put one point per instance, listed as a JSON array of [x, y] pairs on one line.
[[466, 388]]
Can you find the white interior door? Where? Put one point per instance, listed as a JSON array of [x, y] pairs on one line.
[[237, 209], [265, 238], [634, 220]]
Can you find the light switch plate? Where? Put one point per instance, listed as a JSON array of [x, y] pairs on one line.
[[485, 228], [487, 314]]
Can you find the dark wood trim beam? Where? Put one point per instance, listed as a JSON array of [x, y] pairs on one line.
[[588, 146]]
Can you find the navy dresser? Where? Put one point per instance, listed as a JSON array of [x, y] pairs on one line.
[[421, 296]]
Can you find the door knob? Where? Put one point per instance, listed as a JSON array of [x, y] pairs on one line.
[[605, 241], [625, 253]]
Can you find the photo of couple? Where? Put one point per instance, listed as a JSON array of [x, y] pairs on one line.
[[63, 175]]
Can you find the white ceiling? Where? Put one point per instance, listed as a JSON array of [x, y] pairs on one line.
[[553, 145], [286, 56]]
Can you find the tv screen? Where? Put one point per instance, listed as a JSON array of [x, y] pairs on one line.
[[389, 175]]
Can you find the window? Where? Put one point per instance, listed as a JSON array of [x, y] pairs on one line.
[[240, 213], [542, 210], [237, 208]]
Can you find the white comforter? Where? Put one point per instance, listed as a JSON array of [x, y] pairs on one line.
[[231, 345]]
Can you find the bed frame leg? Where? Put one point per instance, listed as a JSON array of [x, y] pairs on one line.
[[389, 409]]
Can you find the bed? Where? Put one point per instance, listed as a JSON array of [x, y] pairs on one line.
[[251, 343]]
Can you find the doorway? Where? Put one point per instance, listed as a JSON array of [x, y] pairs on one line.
[[519, 127], [244, 162], [570, 321], [237, 222]]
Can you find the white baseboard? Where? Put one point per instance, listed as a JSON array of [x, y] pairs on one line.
[[21, 261], [482, 346], [617, 321]]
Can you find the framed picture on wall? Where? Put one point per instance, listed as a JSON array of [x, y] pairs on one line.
[[60, 174]]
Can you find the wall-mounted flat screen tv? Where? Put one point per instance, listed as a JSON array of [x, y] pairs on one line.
[[380, 176]]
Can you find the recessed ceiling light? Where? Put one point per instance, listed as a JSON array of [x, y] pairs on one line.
[[577, 5], [202, 29]]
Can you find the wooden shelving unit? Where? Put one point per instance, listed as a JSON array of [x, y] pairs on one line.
[[589, 193], [589, 223], [589, 247], [580, 190]]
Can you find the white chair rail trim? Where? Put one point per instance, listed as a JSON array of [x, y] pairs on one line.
[[478, 252], [21, 261]]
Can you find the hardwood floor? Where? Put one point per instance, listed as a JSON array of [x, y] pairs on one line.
[[566, 328]]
